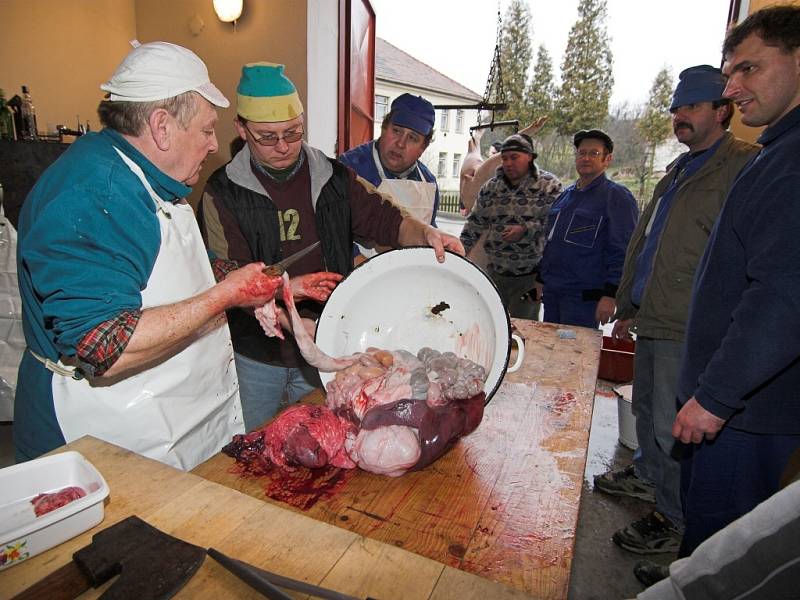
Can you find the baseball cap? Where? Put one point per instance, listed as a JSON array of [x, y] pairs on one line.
[[160, 70], [518, 142], [702, 83], [413, 112], [593, 134], [266, 95]]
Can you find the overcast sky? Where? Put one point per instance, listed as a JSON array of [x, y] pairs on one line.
[[457, 37]]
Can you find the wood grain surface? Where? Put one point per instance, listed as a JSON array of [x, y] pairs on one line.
[[261, 533], [502, 504]]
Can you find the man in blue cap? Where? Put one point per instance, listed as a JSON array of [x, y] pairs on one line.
[[391, 163], [277, 196], [654, 294]]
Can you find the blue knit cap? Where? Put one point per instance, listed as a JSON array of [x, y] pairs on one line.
[[702, 83], [413, 112]]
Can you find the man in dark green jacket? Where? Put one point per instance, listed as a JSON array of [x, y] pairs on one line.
[[654, 294]]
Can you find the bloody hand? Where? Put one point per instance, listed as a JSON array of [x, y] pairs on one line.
[[249, 286], [316, 286]]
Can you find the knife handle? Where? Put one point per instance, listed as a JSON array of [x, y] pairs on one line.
[[65, 583]]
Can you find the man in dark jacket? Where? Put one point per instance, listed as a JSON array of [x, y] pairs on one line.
[[653, 298], [278, 196], [740, 374]]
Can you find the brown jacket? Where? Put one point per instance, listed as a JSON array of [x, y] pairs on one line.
[[695, 207]]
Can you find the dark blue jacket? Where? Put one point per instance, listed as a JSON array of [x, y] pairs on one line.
[[742, 350], [587, 234]]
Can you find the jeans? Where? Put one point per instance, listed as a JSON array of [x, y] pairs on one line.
[[569, 308], [513, 292], [264, 387], [654, 402], [725, 478]]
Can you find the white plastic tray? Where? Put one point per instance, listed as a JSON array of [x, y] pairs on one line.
[[22, 533]]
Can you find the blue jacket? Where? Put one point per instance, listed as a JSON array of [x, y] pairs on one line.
[[361, 160], [88, 240], [742, 349], [587, 234]]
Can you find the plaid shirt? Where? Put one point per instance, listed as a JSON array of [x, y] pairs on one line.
[[102, 346]]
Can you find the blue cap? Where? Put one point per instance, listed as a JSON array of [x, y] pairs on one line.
[[413, 112], [702, 83]]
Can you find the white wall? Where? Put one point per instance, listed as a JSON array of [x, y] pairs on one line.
[[323, 72], [449, 141]]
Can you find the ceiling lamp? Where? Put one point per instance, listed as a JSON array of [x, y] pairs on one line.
[[228, 10]]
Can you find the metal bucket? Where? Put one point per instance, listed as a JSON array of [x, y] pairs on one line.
[[626, 418], [404, 300]]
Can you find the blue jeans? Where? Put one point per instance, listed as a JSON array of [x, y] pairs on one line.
[[723, 479], [263, 387], [656, 367], [569, 308]]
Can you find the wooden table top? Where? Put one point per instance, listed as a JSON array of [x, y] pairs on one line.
[[503, 503], [260, 533]]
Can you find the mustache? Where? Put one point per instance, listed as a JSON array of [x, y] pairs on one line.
[[680, 124]]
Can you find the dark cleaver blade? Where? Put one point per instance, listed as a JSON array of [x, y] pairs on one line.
[[151, 565]]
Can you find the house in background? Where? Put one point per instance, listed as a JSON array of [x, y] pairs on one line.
[[397, 73]]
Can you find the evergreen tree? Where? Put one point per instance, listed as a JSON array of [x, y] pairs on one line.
[[586, 71], [515, 58], [655, 125], [541, 91]]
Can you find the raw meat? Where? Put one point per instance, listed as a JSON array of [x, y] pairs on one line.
[[386, 412], [45, 503]]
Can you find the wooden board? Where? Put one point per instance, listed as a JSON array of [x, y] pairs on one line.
[[263, 534], [503, 503]]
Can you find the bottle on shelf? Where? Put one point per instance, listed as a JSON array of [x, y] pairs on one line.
[[29, 130], [7, 129]]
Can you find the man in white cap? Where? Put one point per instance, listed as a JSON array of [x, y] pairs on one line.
[[279, 196], [125, 326]]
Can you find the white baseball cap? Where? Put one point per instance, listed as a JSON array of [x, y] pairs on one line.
[[160, 70]]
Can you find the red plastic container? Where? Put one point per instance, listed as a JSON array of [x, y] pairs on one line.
[[616, 360]]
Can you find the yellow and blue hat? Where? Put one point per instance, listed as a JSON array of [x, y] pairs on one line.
[[266, 95]]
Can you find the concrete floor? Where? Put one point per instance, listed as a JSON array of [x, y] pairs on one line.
[[600, 570]]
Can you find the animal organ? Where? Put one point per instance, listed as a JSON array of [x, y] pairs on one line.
[[386, 412]]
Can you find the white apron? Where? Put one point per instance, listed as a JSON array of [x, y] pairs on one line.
[[417, 197], [185, 409]]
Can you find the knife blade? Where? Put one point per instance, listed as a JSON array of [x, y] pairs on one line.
[[265, 581], [279, 268]]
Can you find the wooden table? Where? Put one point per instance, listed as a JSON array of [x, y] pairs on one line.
[[503, 503], [265, 535]]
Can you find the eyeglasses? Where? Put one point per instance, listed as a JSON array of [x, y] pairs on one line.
[[271, 139], [589, 153]]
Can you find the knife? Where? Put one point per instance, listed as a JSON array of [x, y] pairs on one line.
[[279, 268], [265, 581]]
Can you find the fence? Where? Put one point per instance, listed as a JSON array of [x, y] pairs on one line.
[[448, 201]]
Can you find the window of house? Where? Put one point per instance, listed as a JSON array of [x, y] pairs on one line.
[[441, 170], [381, 107], [456, 164], [444, 120], [460, 120]]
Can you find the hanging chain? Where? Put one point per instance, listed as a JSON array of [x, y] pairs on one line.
[[495, 92]]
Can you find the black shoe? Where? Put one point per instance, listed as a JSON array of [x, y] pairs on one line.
[[625, 482], [652, 534], [648, 572]]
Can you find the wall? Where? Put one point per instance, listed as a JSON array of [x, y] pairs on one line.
[[63, 51], [273, 31]]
